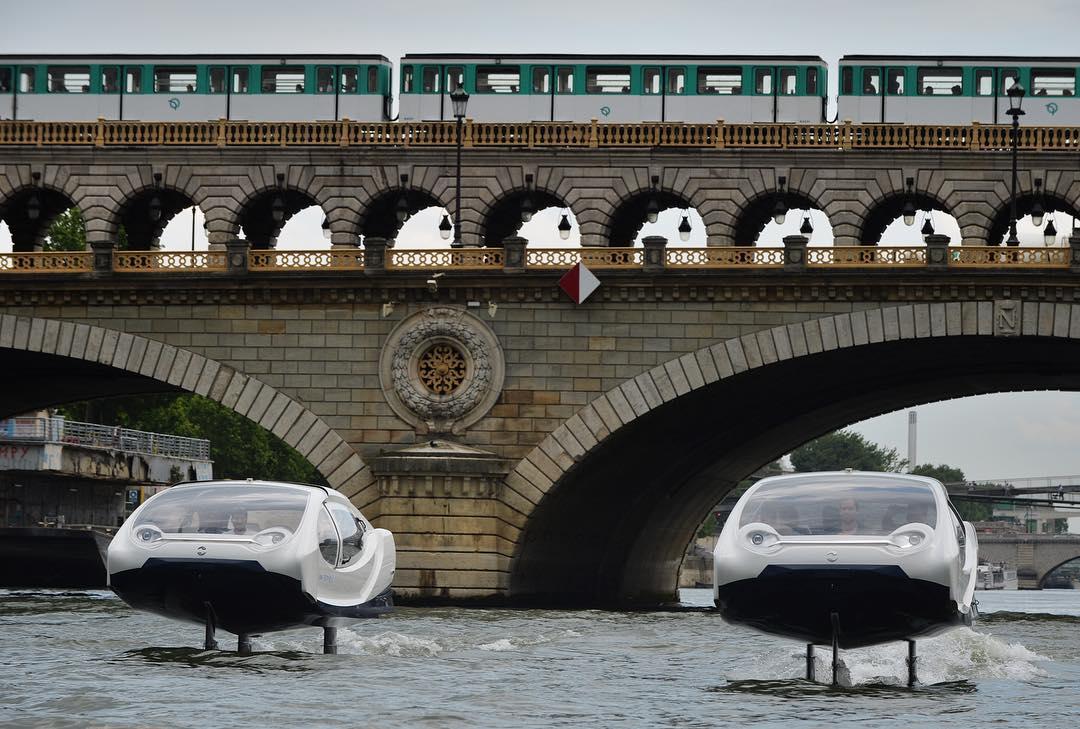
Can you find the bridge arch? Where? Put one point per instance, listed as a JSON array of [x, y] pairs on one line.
[[502, 218], [1051, 201], [758, 210], [615, 493], [380, 217], [888, 209], [630, 215], [103, 362]]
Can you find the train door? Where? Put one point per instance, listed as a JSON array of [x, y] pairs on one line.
[[565, 105], [541, 103], [984, 106], [7, 91], [109, 97], [894, 106], [763, 101], [653, 94], [790, 103], [130, 86], [1005, 79], [429, 90]]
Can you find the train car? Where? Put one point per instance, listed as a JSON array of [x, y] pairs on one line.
[[523, 87], [957, 89], [194, 88]]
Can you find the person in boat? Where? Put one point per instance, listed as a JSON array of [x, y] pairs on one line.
[[240, 524], [213, 521], [849, 516]]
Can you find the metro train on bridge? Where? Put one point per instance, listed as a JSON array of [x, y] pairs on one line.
[[536, 87]]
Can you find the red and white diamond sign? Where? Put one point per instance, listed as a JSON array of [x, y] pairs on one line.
[[579, 282]]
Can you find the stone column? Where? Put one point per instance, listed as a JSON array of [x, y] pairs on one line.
[[514, 254], [654, 259], [103, 255], [937, 252], [795, 252], [236, 256], [374, 255]]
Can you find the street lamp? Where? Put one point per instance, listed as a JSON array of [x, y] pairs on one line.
[[527, 206], [652, 207], [564, 227], [780, 209], [326, 228], [928, 227], [684, 228], [401, 208], [460, 100], [1037, 209], [909, 205], [445, 227], [806, 228], [1050, 234], [1016, 100]]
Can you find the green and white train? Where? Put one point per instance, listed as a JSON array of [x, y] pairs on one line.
[[535, 87]]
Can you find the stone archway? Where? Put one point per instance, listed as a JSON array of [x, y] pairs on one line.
[[882, 214], [755, 216], [381, 217], [1050, 201]]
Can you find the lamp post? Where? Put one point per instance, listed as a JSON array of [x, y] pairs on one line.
[[1016, 101], [460, 100]]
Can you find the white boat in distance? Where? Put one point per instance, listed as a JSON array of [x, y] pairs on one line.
[[253, 557], [846, 558]]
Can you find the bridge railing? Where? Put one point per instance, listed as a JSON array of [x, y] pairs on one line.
[[716, 135], [93, 435]]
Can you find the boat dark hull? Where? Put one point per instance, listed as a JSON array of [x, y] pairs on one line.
[[875, 604], [243, 596], [52, 557]]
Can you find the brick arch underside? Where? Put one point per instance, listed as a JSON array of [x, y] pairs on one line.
[[612, 529], [48, 362], [1057, 561]]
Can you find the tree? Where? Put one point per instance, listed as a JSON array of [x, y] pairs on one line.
[[67, 232], [969, 509], [845, 449], [943, 473]]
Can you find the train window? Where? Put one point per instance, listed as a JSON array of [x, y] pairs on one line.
[[787, 85], [564, 80], [68, 79], [608, 80], [5, 80], [1009, 78], [763, 81], [940, 81], [406, 79], [283, 79], [811, 81], [347, 75], [217, 80], [541, 80], [724, 81], [498, 79], [1053, 81], [429, 83], [133, 81], [847, 80], [174, 79], [110, 79], [676, 81], [324, 80], [650, 81], [894, 81], [373, 79], [871, 81], [26, 80], [240, 80], [455, 78], [984, 82]]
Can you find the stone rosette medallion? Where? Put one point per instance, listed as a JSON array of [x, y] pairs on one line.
[[441, 370]]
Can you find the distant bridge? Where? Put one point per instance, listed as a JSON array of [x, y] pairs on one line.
[[1034, 555]]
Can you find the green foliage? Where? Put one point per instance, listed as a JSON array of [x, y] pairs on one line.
[[239, 447], [943, 473], [67, 232], [970, 510], [845, 449]]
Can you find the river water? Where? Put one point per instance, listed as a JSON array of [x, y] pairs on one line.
[[84, 659]]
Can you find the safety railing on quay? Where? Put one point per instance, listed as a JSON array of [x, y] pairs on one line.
[[93, 435], [496, 259], [718, 135]]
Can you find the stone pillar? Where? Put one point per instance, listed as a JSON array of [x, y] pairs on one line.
[[1074, 254], [654, 259], [236, 256], [103, 255], [514, 254], [795, 252], [937, 252], [374, 255]]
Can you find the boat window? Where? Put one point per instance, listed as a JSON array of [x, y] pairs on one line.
[[894, 81], [406, 79], [326, 534], [429, 80], [110, 79], [940, 81], [787, 84], [763, 81], [723, 81], [283, 79], [676, 81], [5, 80], [840, 507], [324, 80], [498, 80], [1009, 78], [174, 80], [133, 81], [811, 81], [348, 80], [350, 529], [68, 79], [541, 80], [217, 80], [564, 80], [847, 80], [455, 78], [650, 81], [984, 82], [1053, 82], [871, 81], [607, 80], [212, 509], [373, 79], [240, 80]]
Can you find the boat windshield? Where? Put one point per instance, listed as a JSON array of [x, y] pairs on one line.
[[840, 507], [220, 509]]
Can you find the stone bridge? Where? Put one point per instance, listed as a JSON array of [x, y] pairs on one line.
[[1034, 555]]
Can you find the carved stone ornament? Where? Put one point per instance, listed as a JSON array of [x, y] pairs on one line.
[[441, 370]]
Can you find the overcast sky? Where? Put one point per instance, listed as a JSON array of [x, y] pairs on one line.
[[1014, 434]]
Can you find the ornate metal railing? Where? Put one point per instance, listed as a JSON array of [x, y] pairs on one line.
[[156, 261], [345, 133], [1008, 257], [843, 256], [92, 435], [598, 258], [724, 257], [47, 262], [458, 259], [337, 260]]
